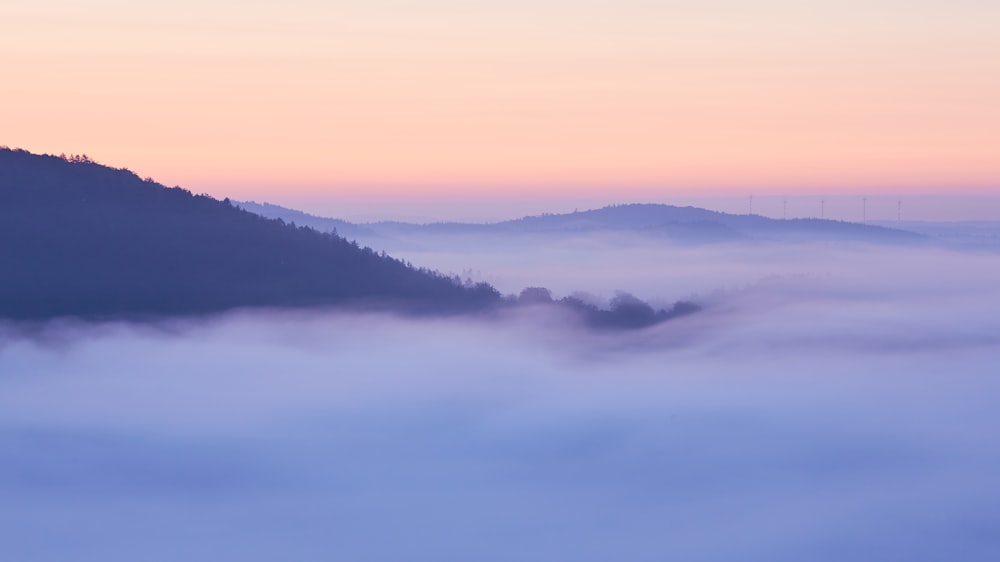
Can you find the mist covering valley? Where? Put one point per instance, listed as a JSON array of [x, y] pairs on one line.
[[832, 400], [529, 281]]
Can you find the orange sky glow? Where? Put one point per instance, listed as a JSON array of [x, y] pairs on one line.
[[393, 97]]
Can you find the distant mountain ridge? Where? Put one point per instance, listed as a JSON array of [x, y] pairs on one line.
[[672, 223], [652, 217]]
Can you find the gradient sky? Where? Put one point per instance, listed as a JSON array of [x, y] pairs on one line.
[[396, 98]]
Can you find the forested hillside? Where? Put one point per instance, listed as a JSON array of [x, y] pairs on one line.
[[81, 239]]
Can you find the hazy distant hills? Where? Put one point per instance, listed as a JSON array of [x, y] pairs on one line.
[[691, 224], [78, 238], [966, 234], [342, 228], [682, 225], [678, 224]]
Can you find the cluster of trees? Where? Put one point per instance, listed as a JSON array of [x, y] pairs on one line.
[[78, 158], [625, 310]]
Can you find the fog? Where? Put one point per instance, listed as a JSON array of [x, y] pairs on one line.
[[830, 402], [605, 262]]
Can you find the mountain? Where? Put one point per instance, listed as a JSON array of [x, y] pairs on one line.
[[681, 225], [81, 239], [678, 224]]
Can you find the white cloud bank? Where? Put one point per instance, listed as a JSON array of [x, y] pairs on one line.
[[845, 413]]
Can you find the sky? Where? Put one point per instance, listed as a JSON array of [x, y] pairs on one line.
[[402, 101]]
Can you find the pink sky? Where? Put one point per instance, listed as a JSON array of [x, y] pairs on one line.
[[480, 101]]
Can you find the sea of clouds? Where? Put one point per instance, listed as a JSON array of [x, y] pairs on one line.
[[831, 402]]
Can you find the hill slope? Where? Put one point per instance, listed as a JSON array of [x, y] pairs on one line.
[[342, 228], [81, 239]]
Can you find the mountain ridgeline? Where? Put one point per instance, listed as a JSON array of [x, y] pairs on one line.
[[79, 239], [651, 222], [82, 239]]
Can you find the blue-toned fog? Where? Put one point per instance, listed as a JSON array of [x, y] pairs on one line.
[[830, 403]]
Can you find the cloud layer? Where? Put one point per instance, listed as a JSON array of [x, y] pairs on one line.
[[823, 414]]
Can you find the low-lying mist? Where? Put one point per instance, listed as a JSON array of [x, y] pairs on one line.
[[828, 403], [605, 262]]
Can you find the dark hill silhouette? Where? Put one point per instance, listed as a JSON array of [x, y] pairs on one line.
[[81, 239]]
